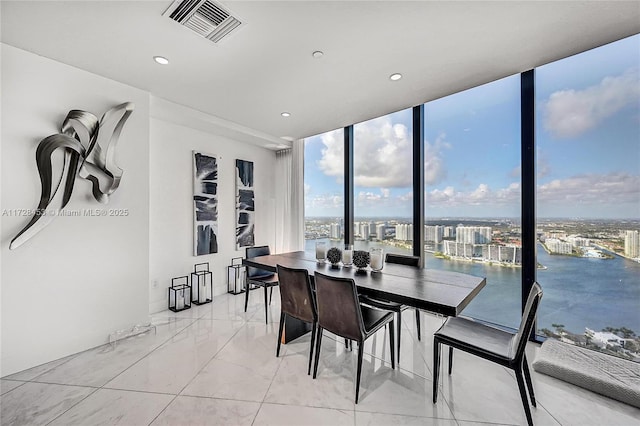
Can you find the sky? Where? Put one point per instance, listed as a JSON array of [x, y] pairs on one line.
[[587, 148]]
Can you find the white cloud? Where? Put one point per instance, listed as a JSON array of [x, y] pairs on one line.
[[481, 195], [324, 201], [383, 155], [613, 188], [588, 189], [332, 160], [434, 170], [569, 113]]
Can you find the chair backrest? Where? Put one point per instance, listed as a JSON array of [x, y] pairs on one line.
[[402, 259], [338, 306], [255, 252], [519, 340], [295, 294]]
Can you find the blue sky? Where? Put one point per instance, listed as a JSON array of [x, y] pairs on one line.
[[588, 147]]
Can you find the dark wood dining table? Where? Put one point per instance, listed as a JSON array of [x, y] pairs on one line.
[[442, 292]]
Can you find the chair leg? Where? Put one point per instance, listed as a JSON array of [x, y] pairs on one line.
[[359, 370], [270, 295], [280, 329], [418, 324], [246, 296], [527, 377], [392, 344], [266, 307], [318, 344], [523, 395], [399, 325], [313, 340], [450, 359], [348, 344], [436, 368]]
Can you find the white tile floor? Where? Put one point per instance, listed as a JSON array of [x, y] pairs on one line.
[[214, 364]]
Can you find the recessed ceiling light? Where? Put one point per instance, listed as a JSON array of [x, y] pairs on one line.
[[317, 54], [285, 114], [395, 77], [161, 60]]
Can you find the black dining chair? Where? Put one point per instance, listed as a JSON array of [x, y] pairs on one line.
[[395, 307], [260, 278], [297, 301], [340, 312], [492, 344]]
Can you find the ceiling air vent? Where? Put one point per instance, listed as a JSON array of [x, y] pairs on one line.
[[205, 17]]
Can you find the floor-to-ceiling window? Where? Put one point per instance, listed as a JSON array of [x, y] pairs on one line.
[[382, 174], [324, 188], [587, 149], [472, 193], [588, 197]]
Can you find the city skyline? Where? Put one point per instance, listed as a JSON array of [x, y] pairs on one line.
[[588, 148]]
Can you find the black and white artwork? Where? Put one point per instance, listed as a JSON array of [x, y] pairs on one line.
[[205, 204], [245, 203]]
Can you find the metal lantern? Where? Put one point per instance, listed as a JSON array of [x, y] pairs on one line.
[[179, 294], [202, 284], [235, 276]]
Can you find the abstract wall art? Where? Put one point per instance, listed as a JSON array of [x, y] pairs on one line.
[[245, 204], [205, 204], [89, 147]]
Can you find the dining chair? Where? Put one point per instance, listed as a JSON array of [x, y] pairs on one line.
[[297, 301], [395, 307], [260, 278], [340, 312], [492, 344]]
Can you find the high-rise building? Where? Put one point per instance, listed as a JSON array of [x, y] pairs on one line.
[[404, 232], [468, 251], [364, 231], [449, 232], [579, 241], [557, 246], [632, 244], [433, 233], [335, 231], [381, 230], [372, 229], [473, 234]]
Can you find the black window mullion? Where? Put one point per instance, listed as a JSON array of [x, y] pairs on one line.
[[348, 185], [418, 183], [528, 179]]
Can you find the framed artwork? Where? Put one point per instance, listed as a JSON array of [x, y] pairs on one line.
[[245, 204], [205, 204]]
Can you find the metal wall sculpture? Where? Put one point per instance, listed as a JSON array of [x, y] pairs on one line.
[[245, 204], [89, 152], [205, 204]]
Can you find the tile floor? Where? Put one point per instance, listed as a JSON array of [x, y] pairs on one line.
[[215, 364]]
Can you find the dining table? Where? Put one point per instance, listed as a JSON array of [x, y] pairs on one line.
[[442, 292]]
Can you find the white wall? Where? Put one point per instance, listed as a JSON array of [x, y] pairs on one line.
[[171, 219], [80, 278]]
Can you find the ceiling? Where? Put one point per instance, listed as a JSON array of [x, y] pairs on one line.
[[266, 67]]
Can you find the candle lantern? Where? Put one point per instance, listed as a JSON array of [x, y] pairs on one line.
[[235, 276], [377, 259], [321, 251], [202, 284], [347, 255], [179, 294]]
